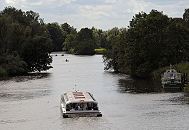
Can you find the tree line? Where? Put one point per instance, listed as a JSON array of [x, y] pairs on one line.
[[84, 42], [25, 44], [26, 41], [151, 41]]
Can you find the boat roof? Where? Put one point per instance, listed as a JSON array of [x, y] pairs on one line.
[[78, 97]]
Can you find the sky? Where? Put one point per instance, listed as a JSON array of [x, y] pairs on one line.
[[102, 14]]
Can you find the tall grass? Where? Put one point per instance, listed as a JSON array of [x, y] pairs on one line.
[[100, 51], [3, 73]]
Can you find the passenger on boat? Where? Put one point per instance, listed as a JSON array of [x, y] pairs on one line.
[[79, 108], [72, 109], [85, 107]]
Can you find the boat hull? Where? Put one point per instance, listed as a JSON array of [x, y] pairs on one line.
[[86, 113], [72, 115], [173, 87]]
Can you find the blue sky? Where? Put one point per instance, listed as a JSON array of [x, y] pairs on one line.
[[104, 14]]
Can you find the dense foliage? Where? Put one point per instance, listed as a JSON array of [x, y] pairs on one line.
[[152, 41], [58, 34], [85, 41], [24, 42]]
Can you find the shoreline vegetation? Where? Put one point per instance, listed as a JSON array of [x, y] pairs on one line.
[[151, 42], [25, 44], [143, 50]]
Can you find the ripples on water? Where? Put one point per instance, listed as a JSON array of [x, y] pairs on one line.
[[32, 102], [139, 86], [22, 87]]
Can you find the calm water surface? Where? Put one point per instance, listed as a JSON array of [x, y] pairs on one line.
[[33, 103]]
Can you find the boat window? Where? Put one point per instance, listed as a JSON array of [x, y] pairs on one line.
[[89, 106], [68, 107], [71, 107], [92, 106], [81, 106], [74, 106], [62, 99], [95, 107]]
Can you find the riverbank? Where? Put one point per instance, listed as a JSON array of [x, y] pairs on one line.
[[181, 67], [97, 51], [100, 51], [29, 76]]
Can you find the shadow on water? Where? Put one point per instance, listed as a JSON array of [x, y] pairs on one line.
[[30, 76], [186, 98], [150, 86], [34, 85], [21, 95], [139, 86]]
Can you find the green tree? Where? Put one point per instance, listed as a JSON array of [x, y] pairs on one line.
[[100, 38], [22, 35], [111, 56], [12, 64], [69, 34], [186, 15], [70, 42], [152, 41], [176, 43], [85, 44], [56, 35], [145, 39], [67, 29], [36, 53]]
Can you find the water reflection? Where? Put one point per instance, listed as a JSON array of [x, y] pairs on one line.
[[186, 98], [32, 86], [139, 86], [30, 76], [33, 102], [23, 95]]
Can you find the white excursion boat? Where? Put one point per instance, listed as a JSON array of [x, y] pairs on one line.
[[79, 104]]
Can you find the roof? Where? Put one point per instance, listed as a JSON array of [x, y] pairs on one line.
[[77, 97]]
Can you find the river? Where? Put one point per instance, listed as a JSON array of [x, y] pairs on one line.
[[33, 102]]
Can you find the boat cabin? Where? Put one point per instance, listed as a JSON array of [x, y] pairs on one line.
[[171, 79], [79, 104]]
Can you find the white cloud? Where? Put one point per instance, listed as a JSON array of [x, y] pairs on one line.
[[28, 3], [99, 13], [14, 2], [111, 1], [136, 6], [95, 12]]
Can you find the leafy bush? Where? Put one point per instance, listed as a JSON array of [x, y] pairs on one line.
[[25, 44], [13, 65]]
